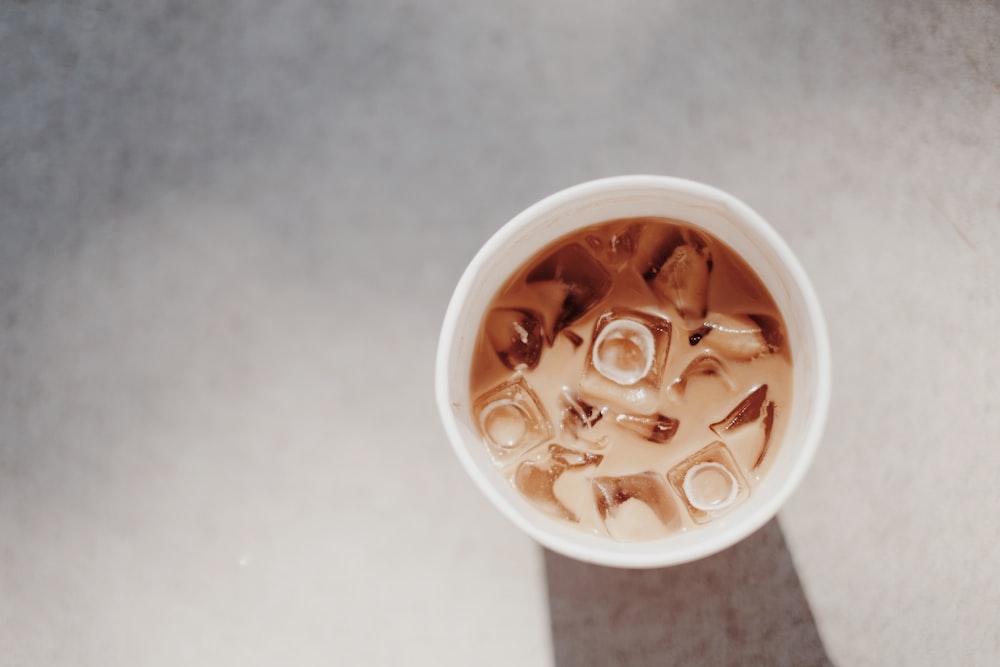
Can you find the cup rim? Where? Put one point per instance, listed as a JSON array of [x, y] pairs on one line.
[[633, 554]]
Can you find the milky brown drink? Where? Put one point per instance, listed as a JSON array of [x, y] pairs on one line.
[[632, 379]]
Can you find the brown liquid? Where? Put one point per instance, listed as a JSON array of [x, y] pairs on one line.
[[633, 378]]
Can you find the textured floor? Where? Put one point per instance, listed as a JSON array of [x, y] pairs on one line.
[[228, 234]]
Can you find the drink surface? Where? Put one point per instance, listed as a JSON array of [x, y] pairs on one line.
[[633, 378]]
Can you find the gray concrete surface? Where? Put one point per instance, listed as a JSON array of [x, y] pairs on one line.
[[228, 233], [744, 606]]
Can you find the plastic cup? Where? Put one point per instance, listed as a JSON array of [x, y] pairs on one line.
[[719, 214]]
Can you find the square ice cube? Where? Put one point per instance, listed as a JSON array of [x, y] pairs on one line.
[[511, 420], [516, 336], [632, 506], [568, 284], [747, 428], [709, 482], [537, 478], [624, 364]]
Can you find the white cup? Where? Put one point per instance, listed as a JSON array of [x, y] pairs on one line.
[[723, 216]]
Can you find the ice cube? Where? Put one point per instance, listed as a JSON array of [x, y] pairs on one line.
[[587, 422], [683, 280], [511, 420], [657, 244], [767, 424], [625, 361], [537, 479], [648, 488], [755, 410], [739, 338], [748, 410], [516, 336], [656, 428], [572, 458], [568, 283], [705, 365], [709, 482], [579, 417], [616, 247], [623, 351], [771, 330]]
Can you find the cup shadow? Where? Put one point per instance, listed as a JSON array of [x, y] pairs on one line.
[[744, 606]]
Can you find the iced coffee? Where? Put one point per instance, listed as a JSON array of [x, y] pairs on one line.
[[633, 379]]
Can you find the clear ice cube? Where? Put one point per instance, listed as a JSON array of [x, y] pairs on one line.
[[649, 488], [511, 420], [657, 428], [709, 482], [572, 458], [683, 280], [771, 330], [748, 410], [617, 247], [516, 336], [625, 361], [704, 366], [588, 423], [579, 417], [658, 243], [537, 479], [752, 443], [623, 351], [568, 283], [740, 338]]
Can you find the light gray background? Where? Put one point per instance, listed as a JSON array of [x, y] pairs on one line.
[[228, 234]]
